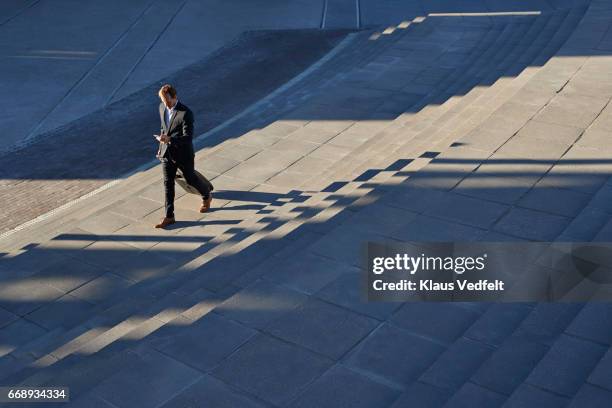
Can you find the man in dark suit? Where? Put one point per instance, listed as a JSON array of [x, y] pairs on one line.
[[176, 151]]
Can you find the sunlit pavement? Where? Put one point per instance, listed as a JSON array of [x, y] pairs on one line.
[[444, 127]]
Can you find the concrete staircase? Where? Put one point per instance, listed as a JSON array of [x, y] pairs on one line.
[[443, 128]]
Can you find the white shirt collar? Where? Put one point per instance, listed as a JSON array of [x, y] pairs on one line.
[[174, 107]]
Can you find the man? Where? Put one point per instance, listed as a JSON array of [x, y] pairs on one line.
[[176, 151]]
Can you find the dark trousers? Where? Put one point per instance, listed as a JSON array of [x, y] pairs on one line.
[[187, 168]]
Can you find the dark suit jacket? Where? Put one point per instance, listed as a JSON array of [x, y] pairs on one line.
[[180, 130]]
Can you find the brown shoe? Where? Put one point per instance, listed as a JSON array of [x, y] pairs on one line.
[[165, 222], [206, 204]]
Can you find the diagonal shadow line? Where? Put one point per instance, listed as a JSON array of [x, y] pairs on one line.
[[256, 196], [227, 268], [518, 160], [339, 197]]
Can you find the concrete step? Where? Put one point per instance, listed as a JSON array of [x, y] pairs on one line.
[[371, 44], [502, 374], [482, 99], [493, 374], [78, 330], [481, 321], [109, 327], [367, 129], [378, 140], [367, 150], [145, 301], [574, 354], [322, 70]]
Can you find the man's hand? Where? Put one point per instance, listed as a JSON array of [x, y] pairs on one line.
[[164, 138]]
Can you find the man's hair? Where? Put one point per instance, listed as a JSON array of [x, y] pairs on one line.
[[167, 91]]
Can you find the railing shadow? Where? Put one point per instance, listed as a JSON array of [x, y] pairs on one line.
[[80, 283], [48, 291]]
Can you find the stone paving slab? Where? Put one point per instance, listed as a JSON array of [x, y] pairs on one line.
[[590, 323], [307, 273], [19, 332], [576, 110], [472, 394], [215, 392], [554, 374], [65, 311], [497, 323], [345, 292], [303, 326], [466, 210], [556, 201], [204, 344], [27, 295], [394, 355], [601, 374], [430, 229], [591, 396], [504, 180], [424, 395], [438, 321], [100, 288], [532, 224], [271, 369], [517, 357], [159, 376], [261, 304], [68, 274], [327, 391], [527, 394], [104, 223]]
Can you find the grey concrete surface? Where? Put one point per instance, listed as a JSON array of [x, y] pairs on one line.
[[215, 89], [259, 300], [43, 61], [72, 58]]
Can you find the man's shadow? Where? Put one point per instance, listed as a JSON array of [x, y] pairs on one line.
[[275, 199], [202, 223], [253, 200]]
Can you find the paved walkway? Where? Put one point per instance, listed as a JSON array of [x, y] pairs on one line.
[[462, 128], [57, 76], [63, 166]]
